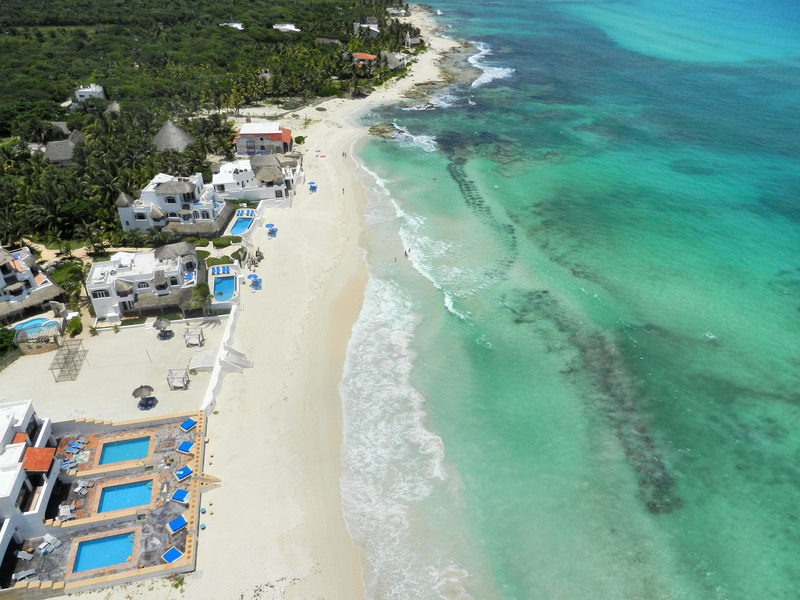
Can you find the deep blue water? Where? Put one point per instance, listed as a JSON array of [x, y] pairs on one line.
[[126, 495], [583, 380], [103, 552]]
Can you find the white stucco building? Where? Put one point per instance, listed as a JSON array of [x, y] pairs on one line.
[[143, 281], [169, 199], [262, 138], [269, 177], [23, 286], [28, 473], [92, 90]]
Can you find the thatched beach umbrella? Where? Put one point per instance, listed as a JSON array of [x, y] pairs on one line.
[[143, 391], [161, 323]]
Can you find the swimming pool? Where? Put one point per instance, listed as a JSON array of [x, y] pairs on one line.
[[224, 287], [125, 450], [33, 325], [241, 225], [126, 495], [103, 552]]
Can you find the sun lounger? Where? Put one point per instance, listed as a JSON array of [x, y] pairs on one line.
[[185, 447], [180, 496], [52, 540], [85, 483], [68, 464], [22, 555], [65, 514], [77, 445], [188, 424], [81, 491], [22, 575], [183, 473], [45, 548], [71, 450], [171, 555], [81, 440], [177, 524]]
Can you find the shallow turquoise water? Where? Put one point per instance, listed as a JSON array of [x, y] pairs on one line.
[[582, 380]]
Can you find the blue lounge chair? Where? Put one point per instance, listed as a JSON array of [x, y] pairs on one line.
[[185, 447], [180, 496], [188, 424], [68, 464], [77, 445], [171, 555], [183, 473], [189, 276], [177, 524], [227, 270]]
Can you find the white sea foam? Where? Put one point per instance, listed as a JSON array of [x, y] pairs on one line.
[[391, 462], [488, 73], [443, 100], [406, 138]]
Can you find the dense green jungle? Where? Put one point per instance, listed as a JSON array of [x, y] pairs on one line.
[[158, 61]]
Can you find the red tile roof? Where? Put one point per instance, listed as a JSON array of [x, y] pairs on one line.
[[286, 134], [363, 56], [38, 459], [20, 437]]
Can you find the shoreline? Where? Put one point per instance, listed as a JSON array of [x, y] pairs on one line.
[[275, 527]]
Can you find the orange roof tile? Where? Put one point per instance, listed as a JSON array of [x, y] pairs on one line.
[[38, 459], [287, 135], [20, 437], [363, 56]]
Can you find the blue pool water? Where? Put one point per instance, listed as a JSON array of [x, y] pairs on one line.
[[126, 495], [103, 552], [241, 225], [33, 325], [224, 288], [125, 450]]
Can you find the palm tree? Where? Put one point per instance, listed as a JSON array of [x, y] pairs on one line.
[[202, 297]]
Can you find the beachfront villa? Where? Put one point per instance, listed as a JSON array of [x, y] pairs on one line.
[[136, 283], [262, 138], [267, 177], [87, 504], [179, 203], [24, 288]]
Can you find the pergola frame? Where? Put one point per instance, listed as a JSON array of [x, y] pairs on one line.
[[68, 360]]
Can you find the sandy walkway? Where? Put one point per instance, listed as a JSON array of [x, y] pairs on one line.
[[275, 527]]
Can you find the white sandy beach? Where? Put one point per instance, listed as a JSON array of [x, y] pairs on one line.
[[275, 529]]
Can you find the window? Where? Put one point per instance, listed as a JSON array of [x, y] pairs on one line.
[[196, 214], [100, 294], [143, 285], [173, 281], [169, 199], [173, 215], [278, 194], [205, 214], [141, 217], [220, 187]]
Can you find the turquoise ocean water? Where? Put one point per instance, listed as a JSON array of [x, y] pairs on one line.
[[584, 380]]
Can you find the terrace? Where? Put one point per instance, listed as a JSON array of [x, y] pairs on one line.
[[138, 521]]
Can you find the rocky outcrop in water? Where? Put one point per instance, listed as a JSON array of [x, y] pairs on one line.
[[384, 130]]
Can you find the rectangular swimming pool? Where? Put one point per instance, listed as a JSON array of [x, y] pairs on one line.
[[104, 552], [241, 225], [224, 287], [126, 495], [125, 450]]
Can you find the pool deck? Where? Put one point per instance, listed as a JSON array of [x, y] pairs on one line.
[[148, 522]]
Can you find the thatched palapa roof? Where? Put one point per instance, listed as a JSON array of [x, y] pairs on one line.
[[173, 250], [175, 186], [172, 137]]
